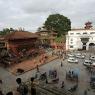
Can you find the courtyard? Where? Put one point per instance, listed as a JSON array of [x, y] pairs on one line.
[[83, 79]]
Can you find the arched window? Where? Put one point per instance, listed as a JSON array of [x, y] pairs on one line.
[[92, 33], [91, 44], [84, 32], [78, 33], [71, 33]]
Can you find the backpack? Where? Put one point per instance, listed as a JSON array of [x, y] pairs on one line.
[[23, 89]]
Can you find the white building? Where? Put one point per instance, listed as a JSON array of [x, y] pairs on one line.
[[80, 39]]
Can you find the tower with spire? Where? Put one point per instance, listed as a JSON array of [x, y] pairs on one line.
[[88, 25]]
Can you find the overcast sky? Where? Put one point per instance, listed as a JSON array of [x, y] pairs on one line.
[[31, 14]]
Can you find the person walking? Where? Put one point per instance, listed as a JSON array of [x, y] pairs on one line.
[[33, 88], [1, 81], [61, 64], [37, 68], [85, 92], [22, 88], [1, 89], [46, 79], [9, 93], [62, 86], [1, 93]]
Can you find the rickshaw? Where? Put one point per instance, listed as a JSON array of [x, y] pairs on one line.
[[73, 88], [53, 76], [72, 75], [92, 81], [43, 76], [53, 73]]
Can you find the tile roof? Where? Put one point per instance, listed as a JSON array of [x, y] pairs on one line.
[[20, 35], [81, 29]]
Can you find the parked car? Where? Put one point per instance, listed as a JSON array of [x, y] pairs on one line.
[[79, 55], [92, 58], [87, 63], [70, 55], [72, 60], [93, 64]]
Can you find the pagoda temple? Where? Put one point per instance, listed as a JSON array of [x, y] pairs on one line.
[[17, 45]]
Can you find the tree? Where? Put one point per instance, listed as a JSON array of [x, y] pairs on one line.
[[5, 31], [39, 29], [59, 23], [11, 29]]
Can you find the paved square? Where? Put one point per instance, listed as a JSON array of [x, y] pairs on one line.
[[84, 76]]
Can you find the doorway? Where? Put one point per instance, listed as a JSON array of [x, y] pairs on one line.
[[84, 46], [91, 46], [84, 41]]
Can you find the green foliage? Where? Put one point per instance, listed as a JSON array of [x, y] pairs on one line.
[[60, 39], [5, 31], [64, 38], [59, 23], [39, 29]]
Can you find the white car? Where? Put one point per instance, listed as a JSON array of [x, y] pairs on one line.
[[93, 64], [72, 60], [92, 58], [70, 55], [87, 63], [78, 55]]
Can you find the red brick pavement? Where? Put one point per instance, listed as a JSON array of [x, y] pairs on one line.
[[31, 64]]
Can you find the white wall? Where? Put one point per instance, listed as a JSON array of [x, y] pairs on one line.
[[75, 35]]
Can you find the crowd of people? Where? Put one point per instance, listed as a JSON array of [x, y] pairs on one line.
[[22, 88]]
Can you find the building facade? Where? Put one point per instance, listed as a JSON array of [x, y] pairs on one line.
[[18, 46], [19, 42], [80, 39], [47, 38]]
